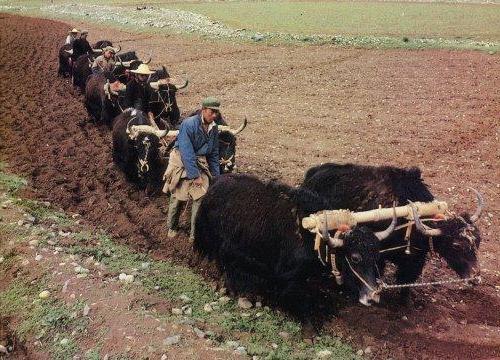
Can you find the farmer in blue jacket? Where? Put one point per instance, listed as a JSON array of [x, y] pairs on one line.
[[192, 163]]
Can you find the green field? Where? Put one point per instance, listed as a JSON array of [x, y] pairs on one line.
[[358, 18], [457, 25]]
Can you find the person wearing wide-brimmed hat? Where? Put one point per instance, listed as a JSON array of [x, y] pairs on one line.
[[104, 63], [71, 37], [81, 46], [138, 93], [193, 161]]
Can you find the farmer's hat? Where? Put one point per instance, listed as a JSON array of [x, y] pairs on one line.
[[211, 103], [109, 48], [74, 31], [143, 69]]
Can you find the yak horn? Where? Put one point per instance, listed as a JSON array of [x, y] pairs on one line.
[[420, 226], [147, 62], [480, 206], [118, 50], [126, 63], [384, 234], [155, 85], [332, 242], [233, 131], [146, 129], [172, 133], [186, 82]]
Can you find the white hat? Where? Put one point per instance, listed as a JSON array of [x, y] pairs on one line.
[[74, 31], [143, 69]]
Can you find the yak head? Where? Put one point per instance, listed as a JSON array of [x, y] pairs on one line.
[[227, 146], [146, 147], [101, 44], [159, 74], [145, 142], [125, 62], [456, 239], [227, 151], [356, 258]]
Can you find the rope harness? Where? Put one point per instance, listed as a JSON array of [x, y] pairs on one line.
[[144, 166], [167, 105], [224, 160], [143, 163], [383, 285]]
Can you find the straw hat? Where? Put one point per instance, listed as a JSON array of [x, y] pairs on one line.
[[143, 69], [74, 31], [109, 48]]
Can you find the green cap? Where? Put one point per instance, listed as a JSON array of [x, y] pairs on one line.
[[211, 103]]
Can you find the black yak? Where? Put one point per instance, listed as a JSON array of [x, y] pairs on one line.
[[163, 102], [101, 98], [252, 230], [136, 153], [66, 51], [65, 68]]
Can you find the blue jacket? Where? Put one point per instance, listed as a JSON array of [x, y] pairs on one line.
[[192, 141]]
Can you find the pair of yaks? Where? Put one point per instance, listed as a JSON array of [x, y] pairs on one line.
[[252, 230]]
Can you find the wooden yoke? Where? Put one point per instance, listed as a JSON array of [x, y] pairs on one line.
[[135, 130], [336, 218]]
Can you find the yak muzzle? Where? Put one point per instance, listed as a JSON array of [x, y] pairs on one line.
[[367, 297]]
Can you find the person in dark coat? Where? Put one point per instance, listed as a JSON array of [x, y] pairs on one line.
[[81, 46], [72, 36], [138, 93]]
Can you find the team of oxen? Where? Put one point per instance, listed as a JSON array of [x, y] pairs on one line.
[[270, 239], [139, 149]]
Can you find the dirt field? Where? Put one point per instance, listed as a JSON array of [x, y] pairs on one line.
[[438, 110]]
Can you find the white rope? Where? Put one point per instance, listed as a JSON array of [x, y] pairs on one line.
[[360, 277], [166, 106], [383, 285]]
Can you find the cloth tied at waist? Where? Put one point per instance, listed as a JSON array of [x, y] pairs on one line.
[[177, 182]]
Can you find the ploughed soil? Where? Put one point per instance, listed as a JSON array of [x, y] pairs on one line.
[[438, 110]]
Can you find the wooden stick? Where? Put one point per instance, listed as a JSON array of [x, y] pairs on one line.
[[136, 129], [336, 218]]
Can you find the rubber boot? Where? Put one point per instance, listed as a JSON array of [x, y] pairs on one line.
[[194, 210], [173, 216]]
